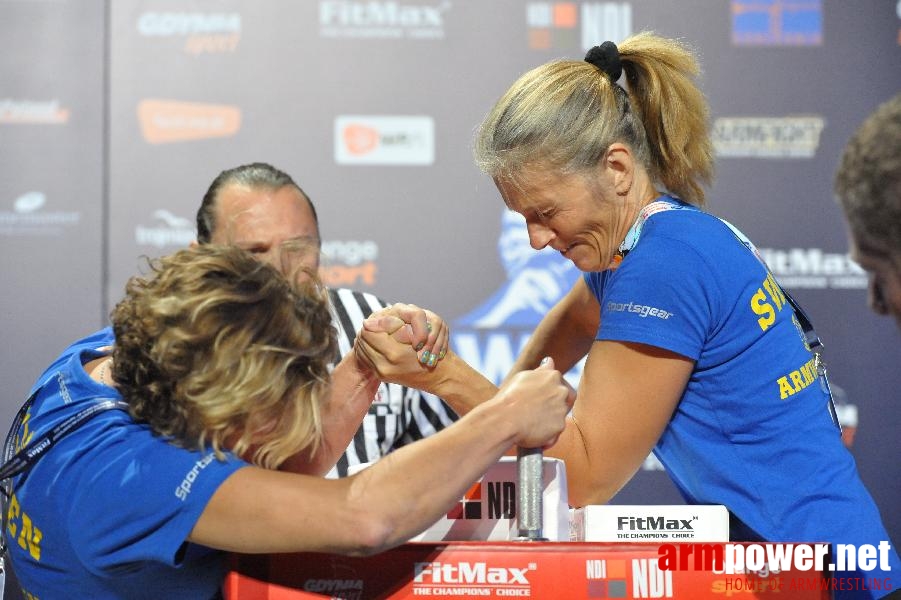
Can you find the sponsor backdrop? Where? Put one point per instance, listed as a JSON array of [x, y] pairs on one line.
[[115, 116]]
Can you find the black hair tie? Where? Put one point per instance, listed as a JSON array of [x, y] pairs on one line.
[[606, 58]]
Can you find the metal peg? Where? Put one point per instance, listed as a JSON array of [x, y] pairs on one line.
[[529, 511]]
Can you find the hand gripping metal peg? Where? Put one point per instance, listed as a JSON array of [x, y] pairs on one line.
[[529, 512]]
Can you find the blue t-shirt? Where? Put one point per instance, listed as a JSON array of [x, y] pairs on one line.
[[753, 430], [105, 512]]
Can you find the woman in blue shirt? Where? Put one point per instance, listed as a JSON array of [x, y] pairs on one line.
[[693, 349], [217, 371]]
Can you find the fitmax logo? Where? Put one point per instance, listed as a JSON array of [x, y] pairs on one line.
[[654, 524], [809, 261], [468, 573], [380, 14]]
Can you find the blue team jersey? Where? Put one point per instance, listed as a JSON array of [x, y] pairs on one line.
[[753, 430], [106, 512]]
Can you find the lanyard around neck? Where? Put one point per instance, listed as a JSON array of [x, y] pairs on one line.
[[634, 232], [19, 462]]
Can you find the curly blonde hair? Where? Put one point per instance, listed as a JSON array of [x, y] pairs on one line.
[[565, 114], [215, 349]]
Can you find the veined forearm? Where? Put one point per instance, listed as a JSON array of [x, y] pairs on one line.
[[412, 487], [460, 385]]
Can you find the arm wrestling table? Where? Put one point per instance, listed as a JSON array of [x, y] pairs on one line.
[[528, 567]]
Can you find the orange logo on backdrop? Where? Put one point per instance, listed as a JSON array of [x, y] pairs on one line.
[[360, 139], [164, 121], [348, 276], [212, 43]]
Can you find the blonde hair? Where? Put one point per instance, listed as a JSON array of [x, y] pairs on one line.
[[215, 349], [565, 114]]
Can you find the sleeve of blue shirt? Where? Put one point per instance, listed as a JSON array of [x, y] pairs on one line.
[[143, 502]]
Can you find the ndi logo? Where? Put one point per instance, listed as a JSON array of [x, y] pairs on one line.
[[812, 268], [606, 578], [570, 25], [501, 502], [609, 578], [649, 580]]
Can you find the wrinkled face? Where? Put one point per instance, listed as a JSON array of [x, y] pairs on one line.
[[277, 226], [577, 215], [884, 271]]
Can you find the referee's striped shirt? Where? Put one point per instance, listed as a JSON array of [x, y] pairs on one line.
[[398, 415]]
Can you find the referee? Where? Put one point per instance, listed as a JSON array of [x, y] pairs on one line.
[[261, 209]]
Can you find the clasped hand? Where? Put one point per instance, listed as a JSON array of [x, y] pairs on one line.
[[402, 343]]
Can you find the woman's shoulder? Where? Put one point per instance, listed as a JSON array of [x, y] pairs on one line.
[[92, 345], [675, 213], [692, 242], [694, 228]]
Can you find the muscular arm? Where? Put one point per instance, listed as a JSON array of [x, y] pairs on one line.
[[627, 395], [456, 382], [565, 333], [256, 510]]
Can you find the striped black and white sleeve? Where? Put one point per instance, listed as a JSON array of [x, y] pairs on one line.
[[398, 415]]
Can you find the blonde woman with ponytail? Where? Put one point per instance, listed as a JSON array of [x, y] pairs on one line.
[[693, 349]]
